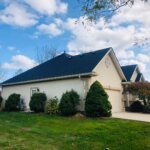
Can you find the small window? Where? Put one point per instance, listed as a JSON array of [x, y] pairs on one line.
[[34, 90]]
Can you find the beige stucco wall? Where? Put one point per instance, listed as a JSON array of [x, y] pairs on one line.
[[109, 77], [51, 88]]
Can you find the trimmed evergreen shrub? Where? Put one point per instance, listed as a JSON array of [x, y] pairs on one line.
[[37, 102], [136, 107], [147, 109], [97, 104], [13, 103], [51, 106], [68, 103]]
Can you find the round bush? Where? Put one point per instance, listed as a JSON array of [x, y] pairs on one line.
[[147, 109], [97, 104], [68, 103], [13, 103], [51, 106], [37, 102], [136, 107]]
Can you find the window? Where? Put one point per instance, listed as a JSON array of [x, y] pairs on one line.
[[34, 90]]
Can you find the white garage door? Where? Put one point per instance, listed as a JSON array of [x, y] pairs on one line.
[[115, 99]]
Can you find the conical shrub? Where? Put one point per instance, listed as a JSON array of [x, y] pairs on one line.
[[97, 104]]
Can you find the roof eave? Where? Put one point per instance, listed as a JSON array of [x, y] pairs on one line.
[[119, 68], [89, 74]]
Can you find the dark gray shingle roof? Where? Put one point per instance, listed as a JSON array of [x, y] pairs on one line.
[[138, 78], [128, 71], [62, 65]]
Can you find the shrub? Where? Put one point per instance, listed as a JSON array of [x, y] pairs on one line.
[[51, 106], [37, 102], [97, 104], [136, 107], [1, 100], [147, 109], [13, 103], [68, 103]]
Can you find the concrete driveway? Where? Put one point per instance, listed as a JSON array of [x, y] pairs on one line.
[[132, 116]]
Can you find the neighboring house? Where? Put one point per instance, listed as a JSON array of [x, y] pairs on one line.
[[66, 72], [132, 74]]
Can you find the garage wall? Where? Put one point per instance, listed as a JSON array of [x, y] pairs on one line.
[[51, 88], [109, 77]]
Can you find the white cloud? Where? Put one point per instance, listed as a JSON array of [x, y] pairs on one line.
[[50, 29], [98, 36], [138, 13], [17, 15], [119, 32], [141, 65], [19, 61], [143, 58], [125, 54], [26, 13], [48, 7], [11, 48]]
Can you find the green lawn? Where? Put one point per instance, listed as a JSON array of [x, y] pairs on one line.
[[20, 131]]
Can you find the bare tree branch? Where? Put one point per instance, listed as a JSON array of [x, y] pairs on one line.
[[142, 42], [45, 53], [19, 71]]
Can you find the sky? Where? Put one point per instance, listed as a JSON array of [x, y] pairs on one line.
[[28, 24]]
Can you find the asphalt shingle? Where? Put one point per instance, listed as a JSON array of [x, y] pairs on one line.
[[62, 65], [128, 71]]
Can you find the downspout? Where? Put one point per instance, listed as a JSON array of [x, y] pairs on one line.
[[82, 104]]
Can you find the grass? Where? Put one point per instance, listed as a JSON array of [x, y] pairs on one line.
[[24, 131]]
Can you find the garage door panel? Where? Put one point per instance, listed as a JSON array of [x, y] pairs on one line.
[[115, 100]]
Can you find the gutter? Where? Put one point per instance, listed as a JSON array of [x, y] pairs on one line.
[[53, 78]]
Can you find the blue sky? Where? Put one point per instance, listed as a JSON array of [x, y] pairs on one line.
[[27, 24]]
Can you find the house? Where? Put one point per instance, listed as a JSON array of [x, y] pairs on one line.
[[66, 72], [132, 74]]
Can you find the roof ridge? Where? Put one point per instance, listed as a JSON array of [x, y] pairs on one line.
[[52, 67], [93, 51]]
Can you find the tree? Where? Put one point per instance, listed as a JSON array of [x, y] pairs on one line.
[[45, 53], [94, 9], [105, 8], [97, 104], [141, 89]]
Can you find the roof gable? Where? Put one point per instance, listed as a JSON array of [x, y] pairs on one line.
[[62, 65], [128, 71], [139, 77], [115, 61]]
